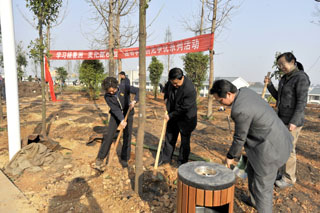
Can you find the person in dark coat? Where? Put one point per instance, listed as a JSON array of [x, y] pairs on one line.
[[2, 88], [181, 103], [118, 99], [291, 96], [266, 140], [124, 79]]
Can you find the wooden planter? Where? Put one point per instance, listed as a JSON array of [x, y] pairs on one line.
[[206, 185]]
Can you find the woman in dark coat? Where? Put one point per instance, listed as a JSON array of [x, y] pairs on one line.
[[291, 96]]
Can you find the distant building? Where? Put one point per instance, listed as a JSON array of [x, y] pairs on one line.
[[237, 81], [149, 86], [132, 75], [258, 89], [314, 96]]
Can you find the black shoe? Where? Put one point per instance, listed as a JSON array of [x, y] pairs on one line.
[[247, 200], [161, 162], [181, 162]]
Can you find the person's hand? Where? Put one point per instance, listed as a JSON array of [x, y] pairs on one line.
[[132, 104], [229, 162], [122, 125], [166, 117], [292, 127], [267, 80]]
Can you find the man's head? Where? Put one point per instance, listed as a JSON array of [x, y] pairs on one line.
[[110, 85], [224, 91], [122, 75], [176, 77]]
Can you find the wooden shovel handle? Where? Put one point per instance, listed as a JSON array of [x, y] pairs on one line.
[[164, 127], [114, 150], [265, 86]]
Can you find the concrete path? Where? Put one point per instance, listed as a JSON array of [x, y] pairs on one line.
[[11, 198]]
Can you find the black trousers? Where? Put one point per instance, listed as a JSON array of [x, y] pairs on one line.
[[111, 134], [174, 127]]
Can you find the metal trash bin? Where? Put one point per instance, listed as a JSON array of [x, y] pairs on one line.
[[205, 187]]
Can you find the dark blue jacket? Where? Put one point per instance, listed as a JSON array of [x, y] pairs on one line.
[[119, 102]]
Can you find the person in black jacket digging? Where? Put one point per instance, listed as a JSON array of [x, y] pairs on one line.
[[181, 103], [118, 99]]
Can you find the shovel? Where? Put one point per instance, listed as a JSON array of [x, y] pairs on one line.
[[164, 127], [265, 86], [114, 150]]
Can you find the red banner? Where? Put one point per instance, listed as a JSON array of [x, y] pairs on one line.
[[194, 44], [49, 80]]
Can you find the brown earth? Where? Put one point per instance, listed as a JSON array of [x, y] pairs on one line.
[[76, 187]]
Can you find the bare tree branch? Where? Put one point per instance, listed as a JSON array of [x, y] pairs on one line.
[[316, 14]]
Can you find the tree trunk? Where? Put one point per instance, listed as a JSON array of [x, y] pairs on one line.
[[117, 27], [111, 40], [43, 82], [155, 91], [1, 112], [142, 96], [48, 50], [211, 53], [202, 15]]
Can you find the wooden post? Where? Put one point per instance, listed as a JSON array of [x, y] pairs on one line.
[[265, 86]]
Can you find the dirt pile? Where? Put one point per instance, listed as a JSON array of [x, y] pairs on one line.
[[29, 89]]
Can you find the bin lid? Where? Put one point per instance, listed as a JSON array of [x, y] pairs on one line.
[[206, 175]]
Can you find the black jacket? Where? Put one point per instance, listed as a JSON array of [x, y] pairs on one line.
[[181, 102], [125, 81], [119, 102], [292, 96]]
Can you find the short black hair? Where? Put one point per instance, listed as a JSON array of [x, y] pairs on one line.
[[109, 82], [122, 73], [175, 73], [222, 87]]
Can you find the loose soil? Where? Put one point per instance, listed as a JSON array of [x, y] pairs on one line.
[[77, 187]]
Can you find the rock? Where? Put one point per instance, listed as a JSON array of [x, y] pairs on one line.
[[68, 166], [294, 199]]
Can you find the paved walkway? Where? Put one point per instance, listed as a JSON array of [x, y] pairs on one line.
[[11, 198]]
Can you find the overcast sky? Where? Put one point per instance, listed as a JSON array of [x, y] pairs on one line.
[[246, 48]]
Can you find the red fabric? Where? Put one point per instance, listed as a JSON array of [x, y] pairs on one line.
[[194, 44], [49, 79]]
